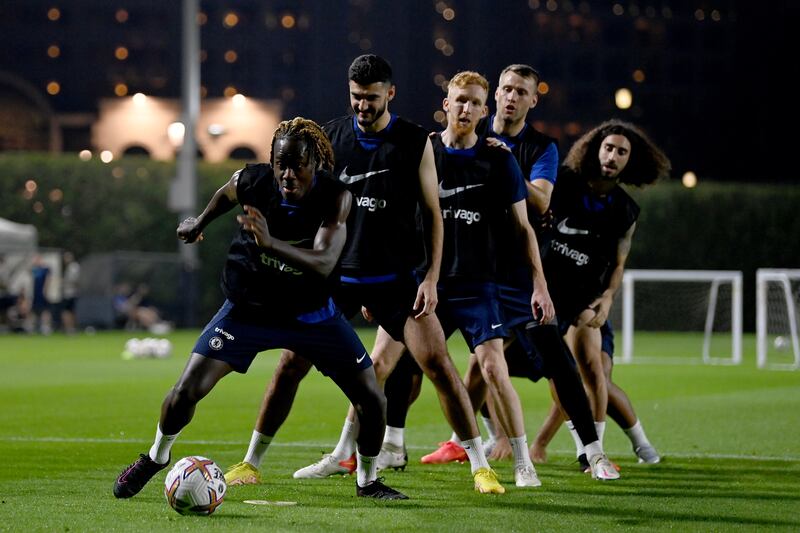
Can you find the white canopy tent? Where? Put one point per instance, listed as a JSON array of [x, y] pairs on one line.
[[16, 237]]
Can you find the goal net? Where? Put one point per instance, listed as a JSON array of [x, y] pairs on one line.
[[681, 316], [777, 306]]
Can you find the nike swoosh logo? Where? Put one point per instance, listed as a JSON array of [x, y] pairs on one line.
[[495, 326], [446, 193], [361, 358], [344, 178], [566, 230]]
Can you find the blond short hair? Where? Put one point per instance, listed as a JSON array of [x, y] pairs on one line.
[[468, 77]]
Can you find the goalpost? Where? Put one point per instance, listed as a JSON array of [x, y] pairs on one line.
[[777, 303], [695, 302]]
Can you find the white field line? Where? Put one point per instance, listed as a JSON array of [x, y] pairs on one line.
[[330, 445]]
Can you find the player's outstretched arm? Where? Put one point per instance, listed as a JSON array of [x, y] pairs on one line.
[[541, 303], [427, 296], [602, 304], [191, 229], [328, 242]]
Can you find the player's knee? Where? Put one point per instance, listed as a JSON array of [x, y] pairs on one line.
[[382, 369], [372, 409], [435, 368], [492, 372], [291, 368], [184, 394]]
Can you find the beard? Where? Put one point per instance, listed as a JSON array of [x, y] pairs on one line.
[[371, 118]]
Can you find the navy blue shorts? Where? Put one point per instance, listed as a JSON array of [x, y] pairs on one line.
[[472, 308], [330, 344], [390, 299], [516, 304], [607, 334]]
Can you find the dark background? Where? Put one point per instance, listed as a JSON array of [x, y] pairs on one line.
[[715, 93]]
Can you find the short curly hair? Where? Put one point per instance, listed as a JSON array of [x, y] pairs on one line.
[[468, 77], [647, 163], [370, 68], [311, 132]]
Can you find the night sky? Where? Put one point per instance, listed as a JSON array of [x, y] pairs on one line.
[[709, 79]]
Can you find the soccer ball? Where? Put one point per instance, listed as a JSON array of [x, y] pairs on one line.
[[147, 347], [781, 343], [195, 486]]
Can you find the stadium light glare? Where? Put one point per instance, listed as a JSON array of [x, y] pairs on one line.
[[85, 155], [139, 99], [175, 133], [689, 179], [543, 87], [215, 130], [106, 156], [231, 19], [623, 98]]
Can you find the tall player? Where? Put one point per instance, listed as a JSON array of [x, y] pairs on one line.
[[387, 163], [486, 183], [594, 222], [278, 284]]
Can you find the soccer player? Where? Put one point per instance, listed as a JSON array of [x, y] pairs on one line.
[[278, 281], [538, 156], [387, 163], [620, 408], [479, 186], [593, 225]]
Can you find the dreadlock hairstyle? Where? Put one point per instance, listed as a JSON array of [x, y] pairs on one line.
[[647, 163], [315, 138]]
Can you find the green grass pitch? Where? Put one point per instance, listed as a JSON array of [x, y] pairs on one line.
[[73, 414]]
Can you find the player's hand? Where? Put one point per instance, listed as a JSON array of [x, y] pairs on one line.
[[544, 222], [494, 142], [427, 298], [543, 309], [366, 314], [253, 221], [502, 450], [189, 231], [538, 453], [601, 306]]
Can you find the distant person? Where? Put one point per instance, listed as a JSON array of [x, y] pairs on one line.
[[69, 290], [278, 281], [132, 310], [8, 300], [41, 314]]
